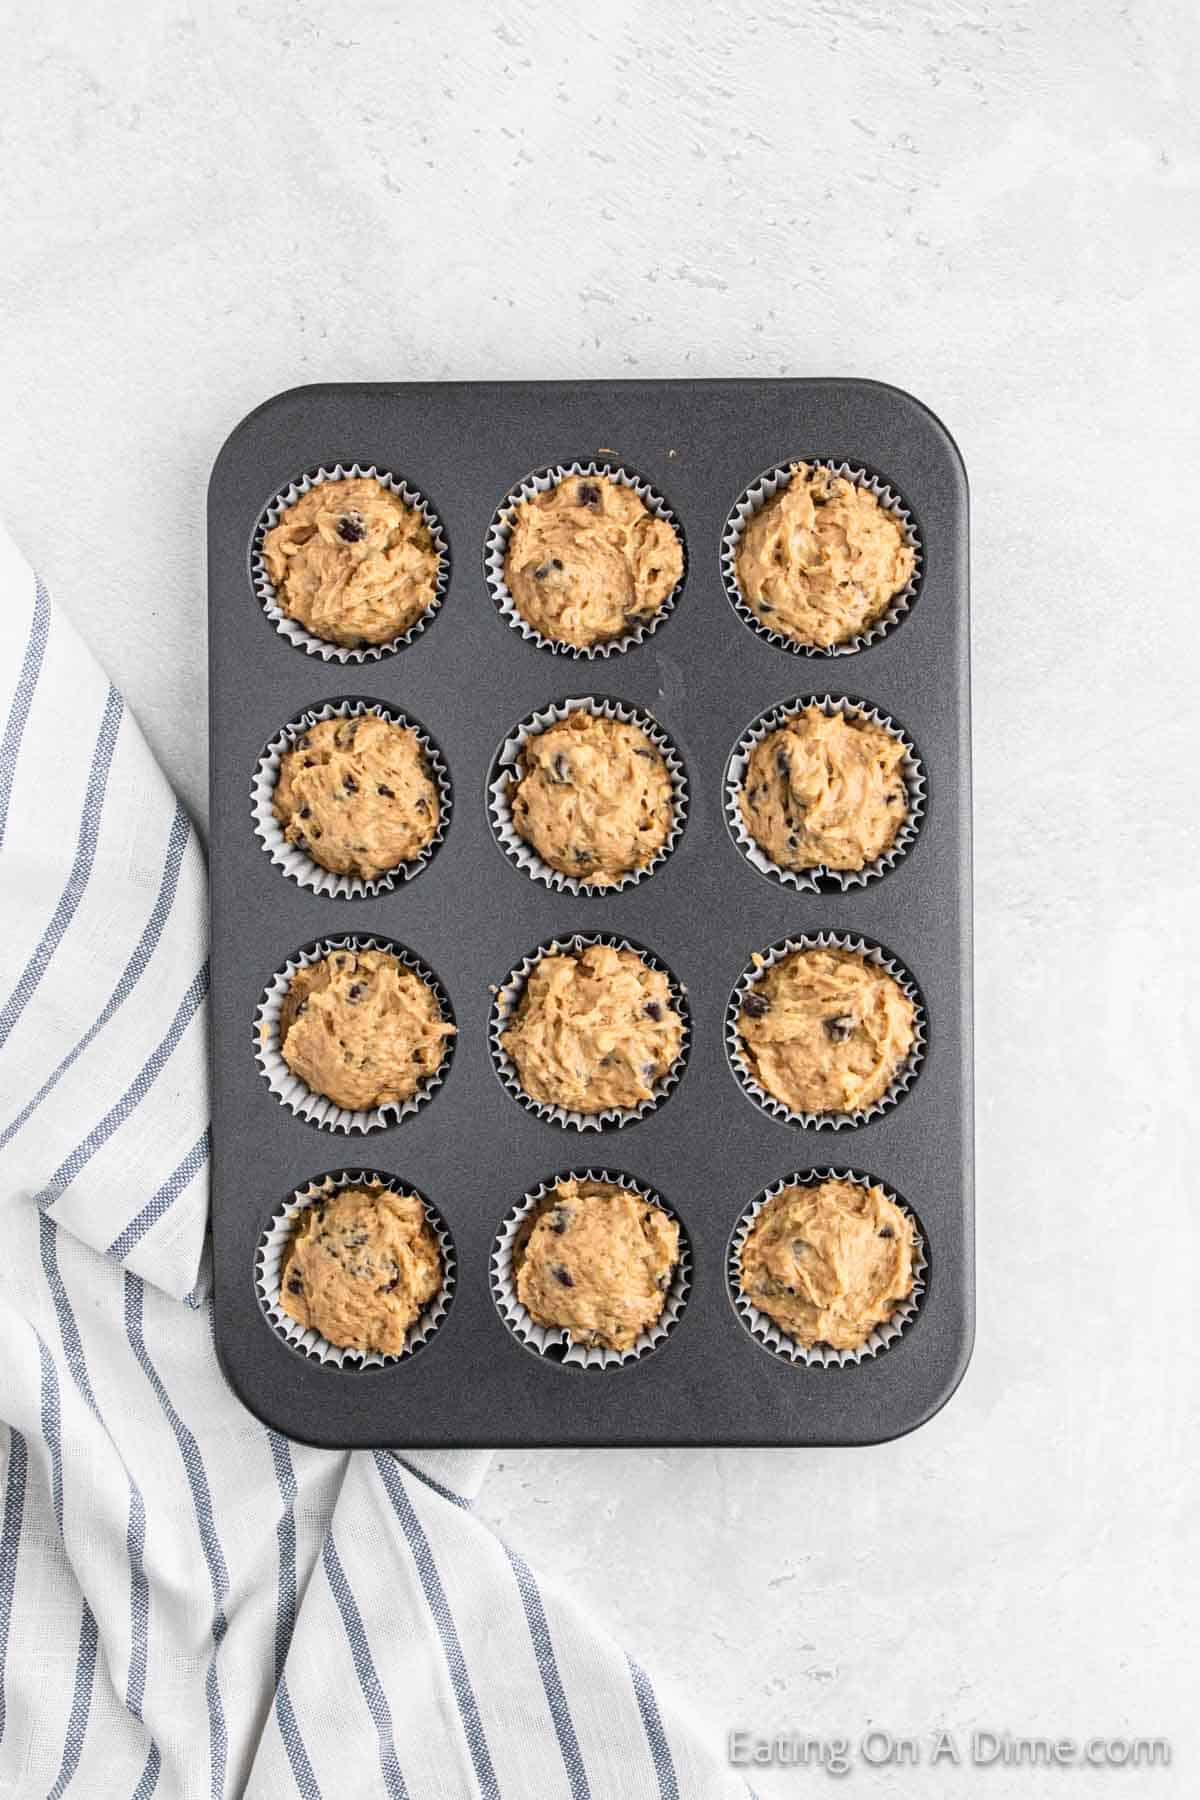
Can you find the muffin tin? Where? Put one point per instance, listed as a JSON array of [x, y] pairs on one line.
[[471, 915]]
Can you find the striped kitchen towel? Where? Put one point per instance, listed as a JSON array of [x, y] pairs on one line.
[[190, 1604]]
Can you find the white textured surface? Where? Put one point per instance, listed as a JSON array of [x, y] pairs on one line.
[[994, 205]]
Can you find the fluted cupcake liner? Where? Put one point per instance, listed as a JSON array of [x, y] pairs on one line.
[[294, 1093], [269, 1264], [500, 532], [292, 629], [296, 863], [554, 1342], [905, 1075], [820, 877], [506, 775], [766, 1332], [755, 498], [508, 997]]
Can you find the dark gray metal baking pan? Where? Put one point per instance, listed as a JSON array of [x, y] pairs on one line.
[[471, 915]]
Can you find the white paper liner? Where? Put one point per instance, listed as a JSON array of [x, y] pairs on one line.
[[291, 628], [554, 1342], [825, 940], [500, 531], [766, 1332], [508, 997], [268, 1263], [506, 774], [295, 1094], [292, 860], [755, 498], [813, 880]]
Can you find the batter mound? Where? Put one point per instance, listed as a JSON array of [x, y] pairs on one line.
[[595, 1028], [825, 792], [361, 1268], [828, 1263], [352, 562], [357, 796], [361, 1029], [587, 561], [826, 1031], [823, 560], [595, 1261], [594, 798]]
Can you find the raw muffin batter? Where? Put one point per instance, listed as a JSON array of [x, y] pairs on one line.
[[826, 1031], [361, 1029], [356, 795], [361, 1268], [595, 1261], [587, 561], [828, 1263], [823, 560], [352, 562], [594, 798], [594, 1028], [825, 792]]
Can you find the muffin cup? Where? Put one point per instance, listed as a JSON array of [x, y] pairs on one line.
[[500, 532], [268, 1263], [505, 775], [905, 1075], [305, 869], [819, 878], [295, 1094], [292, 629], [772, 1337], [755, 498], [505, 1004], [553, 1342]]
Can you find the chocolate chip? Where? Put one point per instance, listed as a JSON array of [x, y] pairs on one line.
[[885, 1231], [346, 733], [838, 1029], [354, 1240], [422, 806], [582, 857], [555, 563], [295, 1284], [649, 1073], [588, 494], [385, 790], [351, 529], [783, 765], [648, 754], [764, 608], [316, 831], [541, 572], [306, 812], [756, 1005], [653, 1010], [355, 992], [564, 1275], [560, 770], [310, 762], [793, 842], [301, 842], [390, 1286], [349, 783], [559, 1219]]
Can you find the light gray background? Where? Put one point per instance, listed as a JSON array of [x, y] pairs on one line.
[[995, 205]]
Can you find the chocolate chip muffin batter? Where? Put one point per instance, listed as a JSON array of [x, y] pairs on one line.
[[587, 561], [828, 1263], [593, 798], [357, 795], [826, 1031], [362, 1029], [595, 1261], [825, 791], [352, 562], [822, 560], [594, 1028], [361, 1268]]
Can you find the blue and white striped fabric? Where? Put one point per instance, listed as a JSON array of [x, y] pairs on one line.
[[189, 1604]]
